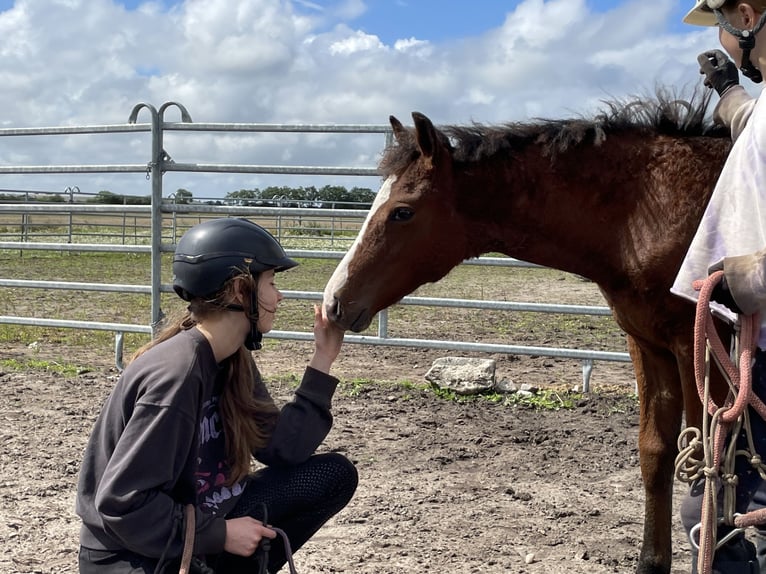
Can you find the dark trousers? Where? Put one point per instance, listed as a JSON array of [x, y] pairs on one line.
[[297, 499], [737, 556]]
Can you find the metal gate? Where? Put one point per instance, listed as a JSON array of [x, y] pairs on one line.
[[161, 163]]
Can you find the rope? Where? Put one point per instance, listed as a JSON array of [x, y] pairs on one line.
[[266, 544], [188, 540], [186, 557], [288, 549], [708, 453]]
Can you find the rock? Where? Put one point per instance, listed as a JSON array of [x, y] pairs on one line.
[[506, 386], [464, 376]]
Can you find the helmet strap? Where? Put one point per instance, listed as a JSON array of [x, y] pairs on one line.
[[253, 340], [746, 44]]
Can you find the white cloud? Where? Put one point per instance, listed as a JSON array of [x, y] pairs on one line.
[[90, 62], [357, 42]]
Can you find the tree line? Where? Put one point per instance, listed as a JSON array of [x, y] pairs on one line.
[[326, 197]]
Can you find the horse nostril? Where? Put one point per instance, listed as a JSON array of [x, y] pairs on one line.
[[335, 310]]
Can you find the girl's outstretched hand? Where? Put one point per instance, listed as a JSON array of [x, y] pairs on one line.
[[328, 339]]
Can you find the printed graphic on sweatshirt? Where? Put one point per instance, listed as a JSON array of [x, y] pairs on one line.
[[212, 470]]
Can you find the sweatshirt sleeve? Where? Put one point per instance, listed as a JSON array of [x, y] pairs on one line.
[[734, 110], [303, 423], [137, 507]]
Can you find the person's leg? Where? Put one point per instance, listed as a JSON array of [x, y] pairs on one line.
[[759, 533], [759, 433], [298, 499], [738, 555], [108, 562]]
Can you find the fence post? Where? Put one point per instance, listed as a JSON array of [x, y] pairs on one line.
[[154, 173], [71, 190]]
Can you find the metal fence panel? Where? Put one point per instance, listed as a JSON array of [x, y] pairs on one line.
[[149, 238]]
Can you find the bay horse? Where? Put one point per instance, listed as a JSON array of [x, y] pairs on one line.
[[615, 198]]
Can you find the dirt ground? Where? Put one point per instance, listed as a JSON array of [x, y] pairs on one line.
[[445, 486]]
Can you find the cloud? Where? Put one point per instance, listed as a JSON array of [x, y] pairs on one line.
[[91, 61]]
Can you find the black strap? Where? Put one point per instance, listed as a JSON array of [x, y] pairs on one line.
[[746, 43]]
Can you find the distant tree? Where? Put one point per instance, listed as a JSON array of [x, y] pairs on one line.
[[184, 196], [244, 196], [135, 200], [341, 197], [362, 195], [107, 197]]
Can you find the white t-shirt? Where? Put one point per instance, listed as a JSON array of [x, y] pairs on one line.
[[734, 222]]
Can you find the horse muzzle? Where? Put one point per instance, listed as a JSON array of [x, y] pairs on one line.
[[346, 316]]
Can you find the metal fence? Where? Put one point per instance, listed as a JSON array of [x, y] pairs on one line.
[[162, 215]]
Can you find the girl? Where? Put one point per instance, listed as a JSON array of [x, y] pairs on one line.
[[190, 411]]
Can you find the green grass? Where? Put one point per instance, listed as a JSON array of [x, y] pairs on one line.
[[26, 365], [546, 399], [468, 281]]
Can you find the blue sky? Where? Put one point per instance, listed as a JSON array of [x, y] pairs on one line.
[[435, 20], [318, 61]]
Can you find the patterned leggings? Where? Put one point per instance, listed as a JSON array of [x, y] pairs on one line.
[[299, 500]]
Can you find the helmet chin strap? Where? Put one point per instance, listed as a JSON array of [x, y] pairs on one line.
[[746, 44], [253, 340]]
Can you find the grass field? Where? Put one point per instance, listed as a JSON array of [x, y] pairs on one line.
[[468, 282]]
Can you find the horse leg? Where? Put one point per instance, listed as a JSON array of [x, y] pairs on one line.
[[661, 404]]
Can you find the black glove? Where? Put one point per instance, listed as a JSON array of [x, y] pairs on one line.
[[719, 71]]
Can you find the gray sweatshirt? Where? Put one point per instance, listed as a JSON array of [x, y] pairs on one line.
[[143, 459]]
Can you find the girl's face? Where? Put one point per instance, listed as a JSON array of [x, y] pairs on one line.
[[269, 298]]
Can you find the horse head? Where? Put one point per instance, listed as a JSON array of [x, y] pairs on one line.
[[413, 233]]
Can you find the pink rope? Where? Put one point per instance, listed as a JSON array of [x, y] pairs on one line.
[[741, 378]]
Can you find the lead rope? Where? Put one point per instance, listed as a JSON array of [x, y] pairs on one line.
[[266, 545], [186, 557], [717, 460]]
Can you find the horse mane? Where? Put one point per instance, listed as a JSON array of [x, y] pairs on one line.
[[663, 114]]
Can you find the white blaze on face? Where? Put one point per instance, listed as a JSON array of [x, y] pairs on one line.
[[340, 274]]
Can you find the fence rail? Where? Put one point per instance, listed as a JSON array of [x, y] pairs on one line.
[[162, 222]]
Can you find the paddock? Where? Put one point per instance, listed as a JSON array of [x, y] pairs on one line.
[[71, 226], [474, 485]]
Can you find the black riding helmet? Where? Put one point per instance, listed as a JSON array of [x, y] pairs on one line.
[[212, 252]]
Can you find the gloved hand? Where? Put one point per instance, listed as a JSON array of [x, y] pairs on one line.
[[719, 71], [745, 282]]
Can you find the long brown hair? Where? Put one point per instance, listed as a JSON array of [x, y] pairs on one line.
[[245, 418]]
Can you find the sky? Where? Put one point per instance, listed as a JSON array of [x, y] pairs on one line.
[[89, 62]]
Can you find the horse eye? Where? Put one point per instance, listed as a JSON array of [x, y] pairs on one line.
[[401, 214]]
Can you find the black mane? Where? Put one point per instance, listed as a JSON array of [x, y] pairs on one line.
[[662, 114]]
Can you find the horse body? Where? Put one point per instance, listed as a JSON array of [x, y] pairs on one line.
[[616, 200]]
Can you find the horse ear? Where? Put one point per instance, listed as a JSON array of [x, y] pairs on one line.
[[400, 132], [425, 134]]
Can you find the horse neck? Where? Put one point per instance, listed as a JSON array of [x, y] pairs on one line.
[[608, 213]]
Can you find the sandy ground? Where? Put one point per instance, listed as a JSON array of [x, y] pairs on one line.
[[444, 486]]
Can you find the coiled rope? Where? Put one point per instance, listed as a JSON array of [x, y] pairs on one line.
[[710, 453]]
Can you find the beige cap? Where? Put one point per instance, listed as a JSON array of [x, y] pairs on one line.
[[702, 13]]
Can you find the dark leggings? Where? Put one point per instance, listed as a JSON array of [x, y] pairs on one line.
[[751, 490], [298, 499]]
